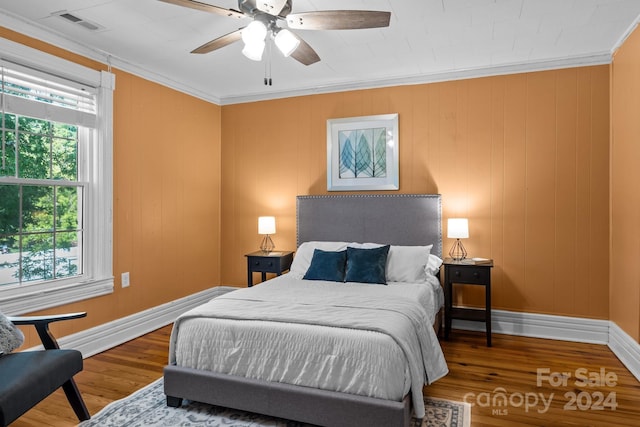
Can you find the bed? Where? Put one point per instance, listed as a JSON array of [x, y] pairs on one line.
[[322, 350]]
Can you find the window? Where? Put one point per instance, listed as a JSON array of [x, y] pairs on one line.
[[41, 234], [55, 181]]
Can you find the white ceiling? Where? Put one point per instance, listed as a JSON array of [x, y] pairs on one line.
[[427, 40]]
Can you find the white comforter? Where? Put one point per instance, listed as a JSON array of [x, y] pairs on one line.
[[355, 338]]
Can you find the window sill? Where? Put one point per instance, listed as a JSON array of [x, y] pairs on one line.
[[41, 299]]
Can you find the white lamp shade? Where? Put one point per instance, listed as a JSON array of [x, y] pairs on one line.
[[267, 225], [254, 51], [458, 228], [286, 41], [255, 32]]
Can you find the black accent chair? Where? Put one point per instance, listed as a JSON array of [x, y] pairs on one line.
[[28, 377]]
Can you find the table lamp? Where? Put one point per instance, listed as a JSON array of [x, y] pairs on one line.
[[458, 228], [267, 226]]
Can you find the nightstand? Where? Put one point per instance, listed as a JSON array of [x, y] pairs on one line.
[[467, 272], [267, 262]]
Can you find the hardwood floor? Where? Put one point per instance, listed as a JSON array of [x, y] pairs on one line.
[[477, 373]]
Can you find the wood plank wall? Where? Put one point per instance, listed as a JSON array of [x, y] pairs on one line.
[[524, 157], [625, 197], [166, 207]]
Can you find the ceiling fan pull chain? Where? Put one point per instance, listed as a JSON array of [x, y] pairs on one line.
[[266, 80], [270, 54], [267, 66]]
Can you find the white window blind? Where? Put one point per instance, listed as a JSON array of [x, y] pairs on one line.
[[56, 99]]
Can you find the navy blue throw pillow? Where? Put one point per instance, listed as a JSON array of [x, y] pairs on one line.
[[326, 265], [367, 265]]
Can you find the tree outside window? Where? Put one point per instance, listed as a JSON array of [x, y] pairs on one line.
[[41, 205]]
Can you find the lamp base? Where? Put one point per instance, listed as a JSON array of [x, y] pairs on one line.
[[267, 244], [458, 252]]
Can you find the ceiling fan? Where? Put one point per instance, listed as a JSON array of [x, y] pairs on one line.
[[267, 13]]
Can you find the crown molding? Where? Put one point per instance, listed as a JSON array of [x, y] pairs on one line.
[[625, 35], [603, 58], [35, 30]]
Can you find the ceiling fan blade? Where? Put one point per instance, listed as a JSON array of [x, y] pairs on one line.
[[207, 8], [223, 41], [338, 20], [304, 53]]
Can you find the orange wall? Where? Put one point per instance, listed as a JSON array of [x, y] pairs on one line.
[[166, 209], [524, 157], [624, 293]]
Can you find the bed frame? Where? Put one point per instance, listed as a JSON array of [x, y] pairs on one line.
[[398, 219]]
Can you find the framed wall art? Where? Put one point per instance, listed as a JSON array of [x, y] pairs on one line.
[[362, 153]]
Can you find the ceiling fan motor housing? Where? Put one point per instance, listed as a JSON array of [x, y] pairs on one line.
[[272, 7]]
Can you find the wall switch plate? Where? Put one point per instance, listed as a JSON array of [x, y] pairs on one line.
[[125, 280]]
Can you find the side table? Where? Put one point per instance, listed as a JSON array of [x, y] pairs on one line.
[[267, 262], [467, 272]]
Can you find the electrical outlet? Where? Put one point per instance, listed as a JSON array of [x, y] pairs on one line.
[[125, 280]]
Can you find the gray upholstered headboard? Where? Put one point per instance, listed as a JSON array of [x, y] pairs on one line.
[[397, 219]]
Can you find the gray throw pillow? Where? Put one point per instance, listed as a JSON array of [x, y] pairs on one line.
[[10, 336]]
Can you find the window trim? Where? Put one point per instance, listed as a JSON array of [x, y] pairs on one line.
[[98, 279]]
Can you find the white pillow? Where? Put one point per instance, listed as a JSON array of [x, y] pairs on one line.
[[10, 336], [304, 254], [433, 266], [365, 245], [408, 263]]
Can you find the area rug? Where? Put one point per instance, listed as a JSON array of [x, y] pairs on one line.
[[147, 407]]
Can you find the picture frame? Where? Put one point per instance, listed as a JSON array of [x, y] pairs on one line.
[[362, 153]]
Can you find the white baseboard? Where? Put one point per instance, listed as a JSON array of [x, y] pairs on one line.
[[103, 337], [563, 328], [535, 325], [625, 348]]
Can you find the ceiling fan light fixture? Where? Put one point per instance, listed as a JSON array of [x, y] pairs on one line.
[[286, 41], [266, 15], [254, 50], [255, 32]]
